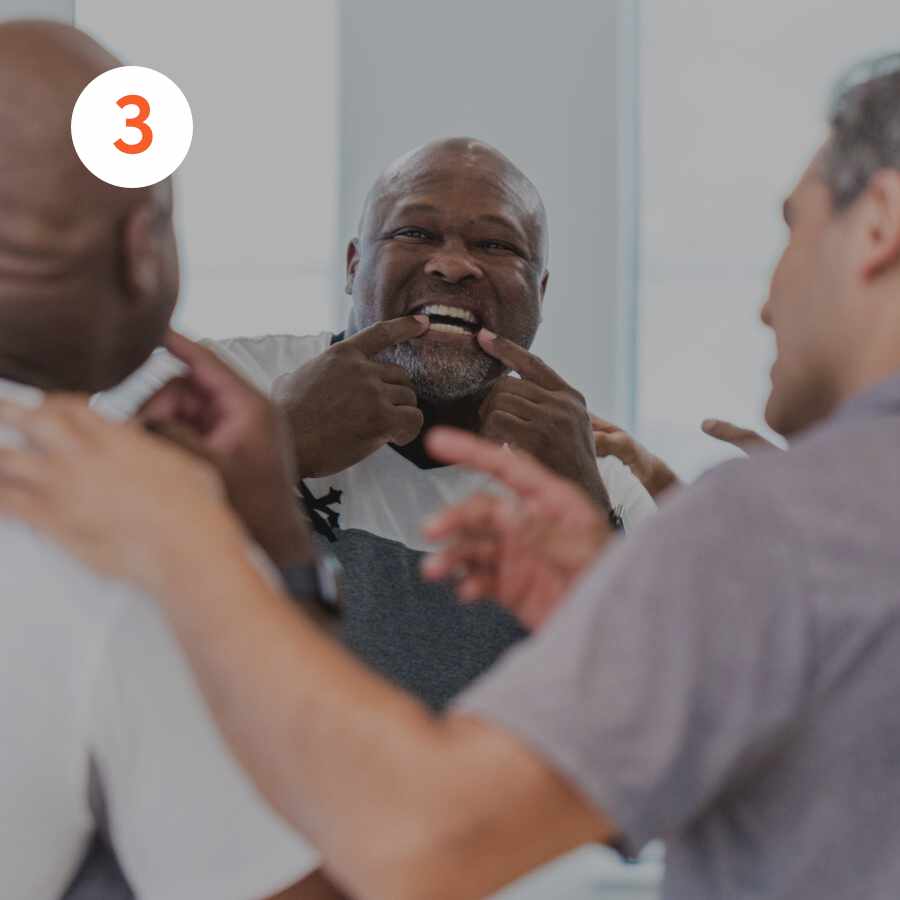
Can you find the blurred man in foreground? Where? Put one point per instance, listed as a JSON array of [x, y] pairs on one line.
[[104, 734], [725, 679]]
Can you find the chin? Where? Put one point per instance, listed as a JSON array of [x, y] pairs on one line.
[[444, 375]]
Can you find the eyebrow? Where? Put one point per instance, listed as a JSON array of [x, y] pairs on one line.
[[786, 212]]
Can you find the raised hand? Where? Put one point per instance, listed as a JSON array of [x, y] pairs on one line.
[[524, 550], [649, 469], [541, 414], [132, 526], [343, 405]]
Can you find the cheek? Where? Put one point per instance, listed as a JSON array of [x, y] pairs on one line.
[[519, 293], [385, 281]]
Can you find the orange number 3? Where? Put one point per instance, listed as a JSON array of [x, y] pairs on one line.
[[139, 122]]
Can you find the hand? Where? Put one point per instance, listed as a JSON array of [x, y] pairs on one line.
[[525, 551], [541, 414], [123, 501], [649, 469], [342, 406], [212, 411], [742, 438]]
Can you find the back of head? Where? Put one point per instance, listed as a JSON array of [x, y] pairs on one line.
[[88, 272]]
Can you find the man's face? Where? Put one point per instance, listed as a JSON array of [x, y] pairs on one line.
[[461, 243], [809, 308]]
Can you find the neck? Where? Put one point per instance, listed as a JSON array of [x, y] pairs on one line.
[[462, 413], [877, 359], [18, 370]]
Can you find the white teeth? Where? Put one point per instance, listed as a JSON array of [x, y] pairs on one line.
[[438, 309], [455, 329]]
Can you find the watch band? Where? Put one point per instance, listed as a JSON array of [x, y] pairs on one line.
[[317, 582], [615, 519]]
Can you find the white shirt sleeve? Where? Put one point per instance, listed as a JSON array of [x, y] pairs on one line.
[[626, 491], [185, 821], [263, 360]]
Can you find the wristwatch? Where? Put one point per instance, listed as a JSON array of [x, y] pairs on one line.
[[317, 582], [615, 519]]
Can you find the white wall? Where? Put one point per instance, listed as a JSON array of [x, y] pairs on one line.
[[542, 83], [257, 194], [37, 9], [733, 101]]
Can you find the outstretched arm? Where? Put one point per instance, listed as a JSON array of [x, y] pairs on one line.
[[400, 803]]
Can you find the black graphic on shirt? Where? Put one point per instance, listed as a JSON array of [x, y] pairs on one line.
[[324, 519]]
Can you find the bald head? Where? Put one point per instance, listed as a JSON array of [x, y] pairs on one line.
[[63, 232], [453, 157]]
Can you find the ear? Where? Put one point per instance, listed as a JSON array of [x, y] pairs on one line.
[[881, 219], [143, 263], [545, 278], [352, 264]]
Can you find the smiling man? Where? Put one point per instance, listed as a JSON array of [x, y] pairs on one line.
[[452, 237]]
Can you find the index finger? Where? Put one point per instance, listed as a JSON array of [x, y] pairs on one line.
[[207, 369], [523, 475], [385, 334], [520, 360], [732, 434]]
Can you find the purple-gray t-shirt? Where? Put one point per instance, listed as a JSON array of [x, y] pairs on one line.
[[728, 678]]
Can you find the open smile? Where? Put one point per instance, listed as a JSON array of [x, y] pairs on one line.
[[451, 319]]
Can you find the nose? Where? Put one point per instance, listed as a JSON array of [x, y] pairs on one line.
[[453, 263], [765, 314]]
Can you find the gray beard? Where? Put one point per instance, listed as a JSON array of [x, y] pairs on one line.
[[441, 373]]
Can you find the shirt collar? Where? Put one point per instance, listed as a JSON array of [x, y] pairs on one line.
[[881, 400], [20, 393]]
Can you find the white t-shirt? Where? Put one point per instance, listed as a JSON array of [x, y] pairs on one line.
[[385, 493], [104, 727]]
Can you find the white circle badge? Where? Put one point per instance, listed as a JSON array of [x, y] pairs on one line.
[[132, 127]]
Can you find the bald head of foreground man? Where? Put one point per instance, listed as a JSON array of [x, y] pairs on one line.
[[88, 272]]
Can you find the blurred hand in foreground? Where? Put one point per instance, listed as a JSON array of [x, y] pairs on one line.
[[524, 550], [121, 500]]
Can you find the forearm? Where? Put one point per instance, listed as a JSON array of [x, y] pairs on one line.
[[330, 745], [397, 801]]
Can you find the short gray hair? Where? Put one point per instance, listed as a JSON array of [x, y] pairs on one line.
[[865, 127]]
